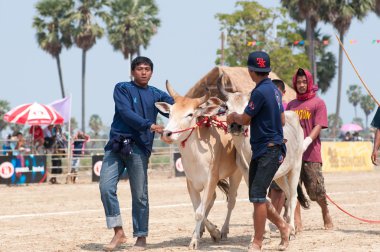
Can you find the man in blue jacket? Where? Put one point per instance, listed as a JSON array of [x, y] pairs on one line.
[[129, 147]]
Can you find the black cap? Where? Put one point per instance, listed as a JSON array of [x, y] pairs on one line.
[[259, 62]]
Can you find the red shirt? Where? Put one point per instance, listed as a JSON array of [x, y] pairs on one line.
[[311, 112], [38, 132]]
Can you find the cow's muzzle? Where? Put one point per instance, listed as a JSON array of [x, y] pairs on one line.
[[236, 129], [166, 136]]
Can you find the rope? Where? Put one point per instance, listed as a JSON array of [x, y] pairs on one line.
[[344, 211]]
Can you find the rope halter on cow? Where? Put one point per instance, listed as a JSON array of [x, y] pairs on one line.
[[207, 122]]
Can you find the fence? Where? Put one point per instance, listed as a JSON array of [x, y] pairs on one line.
[[59, 162]]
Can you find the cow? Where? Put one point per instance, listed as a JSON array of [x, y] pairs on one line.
[[287, 176], [208, 158]]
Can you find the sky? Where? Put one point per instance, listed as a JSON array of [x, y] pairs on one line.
[[183, 50]]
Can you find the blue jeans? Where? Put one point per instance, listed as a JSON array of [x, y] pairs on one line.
[[112, 168]]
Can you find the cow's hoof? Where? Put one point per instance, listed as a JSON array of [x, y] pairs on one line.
[[193, 244], [224, 236], [216, 235]]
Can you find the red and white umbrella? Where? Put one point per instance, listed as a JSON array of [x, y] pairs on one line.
[[33, 114]]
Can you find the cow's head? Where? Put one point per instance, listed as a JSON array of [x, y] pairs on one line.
[[183, 114], [235, 102]]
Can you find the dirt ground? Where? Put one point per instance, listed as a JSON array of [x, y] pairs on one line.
[[70, 217]]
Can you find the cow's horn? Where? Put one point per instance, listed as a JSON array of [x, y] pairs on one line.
[[220, 87], [171, 91], [203, 99]]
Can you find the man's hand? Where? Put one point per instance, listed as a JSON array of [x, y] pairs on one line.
[[230, 118], [306, 142], [374, 157], [157, 128]]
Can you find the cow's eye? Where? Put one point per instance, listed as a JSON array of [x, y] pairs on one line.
[[190, 115]]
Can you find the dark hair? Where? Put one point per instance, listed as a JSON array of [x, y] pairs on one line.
[[280, 84], [262, 73], [300, 72], [141, 60]]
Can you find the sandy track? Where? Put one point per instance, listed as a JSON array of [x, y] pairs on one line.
[[70, 217]]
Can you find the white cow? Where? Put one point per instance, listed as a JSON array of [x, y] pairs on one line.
[[208, 157], [288, 174]]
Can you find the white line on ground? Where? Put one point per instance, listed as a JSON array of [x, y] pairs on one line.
[[7, 217]]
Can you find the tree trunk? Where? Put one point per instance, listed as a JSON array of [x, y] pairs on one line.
[[309, 39], [60, 76], [312, 53], [83, 90], [340, 65], [366, 121], [355, 112]]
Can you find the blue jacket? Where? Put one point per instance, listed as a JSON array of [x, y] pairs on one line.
[[135, 112]]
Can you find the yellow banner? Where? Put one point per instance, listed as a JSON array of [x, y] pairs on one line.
[[346, 156]]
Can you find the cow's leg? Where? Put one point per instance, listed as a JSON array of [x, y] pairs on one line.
[[202, 230], [243, 166], [200, 212], [195, 200], [234, 180], [288, 184]]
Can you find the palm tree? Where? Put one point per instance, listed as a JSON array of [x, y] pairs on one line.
[[310, 12], [53, 30], [326, 65], [4, 108], [340, 14], [132, 25], [354, 94], [368, 105], [96, 124], [85, 33]]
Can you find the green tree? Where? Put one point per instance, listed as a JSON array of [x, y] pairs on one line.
[[340, 14], [53, 30], [358, 121], [368, 105], [132, 25], [354, 94], [253, 22], [73, 125], [4, 108], [85, 33], [326, 61], [310, 12], [96, 124]]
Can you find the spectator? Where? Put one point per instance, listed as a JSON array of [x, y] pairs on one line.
[[78, 150], [38, 136], [49, 140], [347, 136], [7, 150], [356, 137]]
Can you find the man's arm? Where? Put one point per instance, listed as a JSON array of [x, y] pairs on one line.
[[123, 105], [283, 119], [376, 146], [242, 119]]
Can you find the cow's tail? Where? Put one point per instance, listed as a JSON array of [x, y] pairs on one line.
[[304, 202], [224, 186]]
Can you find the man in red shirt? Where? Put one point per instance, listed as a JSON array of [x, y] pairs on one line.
[[313, 117], [38, 135]]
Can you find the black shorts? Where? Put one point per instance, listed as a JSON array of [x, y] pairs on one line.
[[261, 173]]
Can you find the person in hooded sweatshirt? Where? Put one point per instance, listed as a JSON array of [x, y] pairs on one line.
[[313, 118]]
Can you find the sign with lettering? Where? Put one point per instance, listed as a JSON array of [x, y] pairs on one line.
[[22, 169], [346, 156]]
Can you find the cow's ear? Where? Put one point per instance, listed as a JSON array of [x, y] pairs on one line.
[[163, 107], [215, 101], [210, 110]]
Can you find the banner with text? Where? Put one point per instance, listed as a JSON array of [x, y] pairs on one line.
[[22, 169], [346, 156]]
